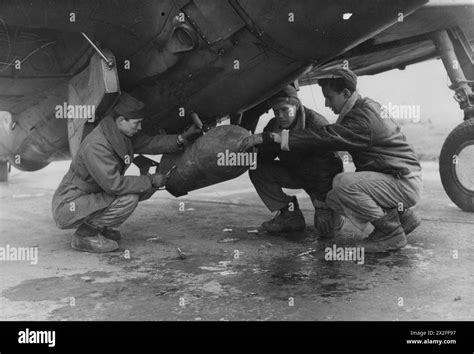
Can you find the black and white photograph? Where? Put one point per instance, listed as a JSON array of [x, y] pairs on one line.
[[210, 161]]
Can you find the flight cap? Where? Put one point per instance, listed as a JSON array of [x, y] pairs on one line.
[[129, 107], [350, 79], [288, 95]]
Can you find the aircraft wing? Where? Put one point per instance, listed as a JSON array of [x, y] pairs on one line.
[[406, 42]]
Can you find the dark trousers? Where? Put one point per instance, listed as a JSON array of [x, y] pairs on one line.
[[270, 178]]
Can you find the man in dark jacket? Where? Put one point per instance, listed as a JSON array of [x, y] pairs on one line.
[[304, 168], [94, 195], [387, 181]]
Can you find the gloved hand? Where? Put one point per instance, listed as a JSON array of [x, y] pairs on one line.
[[323, 221], [159, 180], [251, 141], [191, 134]]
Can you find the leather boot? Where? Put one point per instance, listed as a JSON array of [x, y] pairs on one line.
[[111, 234], [337, 223], [388, 234], [289, 218], [87, 238], [409, 219]]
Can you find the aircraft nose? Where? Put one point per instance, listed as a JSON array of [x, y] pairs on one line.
[[312, 30]]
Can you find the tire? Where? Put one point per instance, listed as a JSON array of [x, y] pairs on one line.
[[457, 158], [4, 171]]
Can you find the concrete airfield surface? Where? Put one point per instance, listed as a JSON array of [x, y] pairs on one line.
[[228, 273]]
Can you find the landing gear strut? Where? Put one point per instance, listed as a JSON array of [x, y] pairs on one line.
[[456, 162], [4, 170]]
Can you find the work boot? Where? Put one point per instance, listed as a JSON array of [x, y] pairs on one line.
[[289, 218], [111, 234], [87, 238], [388, 234], [409, 219], [337, 223]]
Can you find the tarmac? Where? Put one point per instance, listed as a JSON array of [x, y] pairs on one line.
[[226, 270]]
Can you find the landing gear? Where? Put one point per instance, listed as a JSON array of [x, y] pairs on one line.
[[456, 162], [4, 170], [456, 165]]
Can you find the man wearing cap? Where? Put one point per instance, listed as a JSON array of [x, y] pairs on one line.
[[387, 182], [304, 168], [94, 195]]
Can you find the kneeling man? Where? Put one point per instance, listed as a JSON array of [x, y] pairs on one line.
[[94, 196], [302, 168]]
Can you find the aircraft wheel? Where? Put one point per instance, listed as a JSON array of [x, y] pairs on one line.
[[4, 171], [456, 165]]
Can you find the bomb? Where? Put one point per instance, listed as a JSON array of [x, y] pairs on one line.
[[199, 164]]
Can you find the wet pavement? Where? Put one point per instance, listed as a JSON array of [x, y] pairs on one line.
[[229, 272]]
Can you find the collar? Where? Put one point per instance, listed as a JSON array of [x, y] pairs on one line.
[[348, 106], [121, 144]]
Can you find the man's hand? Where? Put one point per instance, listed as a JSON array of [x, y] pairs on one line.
[[276, 138], [323, 221], [191, 134], [251, 141], [159, 180]]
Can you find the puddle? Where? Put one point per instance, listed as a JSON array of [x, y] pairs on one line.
[[307, 273]]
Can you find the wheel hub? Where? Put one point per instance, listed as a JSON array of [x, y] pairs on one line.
[[464, 166]]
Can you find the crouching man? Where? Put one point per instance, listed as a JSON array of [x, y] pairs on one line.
[[387, 181], [94, 196], [302, 168]]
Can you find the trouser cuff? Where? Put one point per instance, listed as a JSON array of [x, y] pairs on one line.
[[87, 230]]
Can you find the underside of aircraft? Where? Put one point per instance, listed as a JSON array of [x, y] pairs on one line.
[[208, 60]]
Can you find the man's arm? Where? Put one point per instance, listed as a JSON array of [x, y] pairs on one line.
[[267, 149], [351, 134], [268, 152], [162, 144], [103, 168], [155, 145]]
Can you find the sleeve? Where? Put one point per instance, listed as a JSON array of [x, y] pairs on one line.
[[268, 152], [102, 166], [155, 145], [351, 134]]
